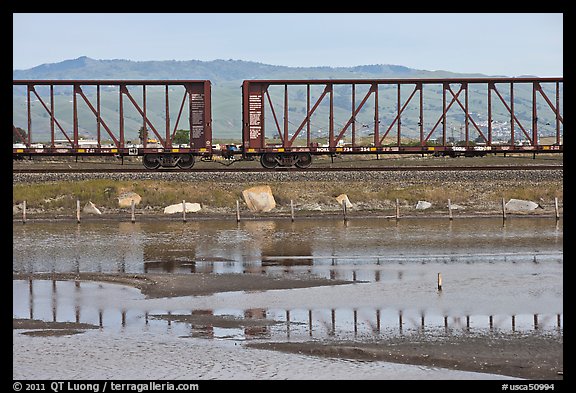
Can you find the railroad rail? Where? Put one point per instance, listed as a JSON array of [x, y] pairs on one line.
[[420, 168]]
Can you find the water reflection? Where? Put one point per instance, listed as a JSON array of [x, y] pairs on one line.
[[87, 302], [311, 246]]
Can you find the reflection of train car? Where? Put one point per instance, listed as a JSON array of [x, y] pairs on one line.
[[287, 122]]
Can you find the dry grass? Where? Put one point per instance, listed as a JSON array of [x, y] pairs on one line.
[[158, 194]]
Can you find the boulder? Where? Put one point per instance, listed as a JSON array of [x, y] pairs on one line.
[[125, 199], [344, 197], [259, 199], [421, 205], [90, 208], [519, 205], [178, 208]]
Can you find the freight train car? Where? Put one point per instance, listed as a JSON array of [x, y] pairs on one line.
[[286, 123]]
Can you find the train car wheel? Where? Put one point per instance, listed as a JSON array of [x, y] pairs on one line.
[[151, 161], [268, 161], [186, 161], [304, 160]]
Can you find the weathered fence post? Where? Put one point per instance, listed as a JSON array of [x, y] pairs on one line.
[[397, 209], [132, 208], [292, 209], [450, 210], [503, 210], [556, 208], [344, 210], [24, 212], [78, 211], [183, 210], [439, 281], [237, 211]]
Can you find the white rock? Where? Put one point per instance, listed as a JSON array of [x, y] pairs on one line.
[[90, 208], [178, 208], [454, 206], [259, 199], [344, 197], [421, 205], [520, 205], [125, 199]]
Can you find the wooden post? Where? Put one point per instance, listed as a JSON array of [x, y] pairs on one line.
[[503, 210], [24, 212], [555, 208], [450, 210], [344, 210], [292, 209], [237, 211], [439, 281], [397, 209], [132, 207], [78, 211], [183, 210]]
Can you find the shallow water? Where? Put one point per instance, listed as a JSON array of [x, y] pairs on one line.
[[497, 279]]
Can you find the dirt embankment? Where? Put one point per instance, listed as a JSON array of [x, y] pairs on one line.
[[530, 357], [193, 284]]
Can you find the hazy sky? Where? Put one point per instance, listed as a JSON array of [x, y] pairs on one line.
[[510, 44]]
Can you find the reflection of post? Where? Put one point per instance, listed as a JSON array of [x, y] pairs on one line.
[[446, 323], [288, 323], [491, 322], [355, 322], [77, 313], [422, 321], [558, 321], [468, 322], [535, 321], [31, 298], [400, 321], [146, 318], [100, 317], [513, 323], [333, 321], [377, 275], [310, 322], [123, 318], [353, 275], [54, 301], [378, 320]]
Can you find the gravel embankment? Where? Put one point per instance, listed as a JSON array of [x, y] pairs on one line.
[[521, 176]]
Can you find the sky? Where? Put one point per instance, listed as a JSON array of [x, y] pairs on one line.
[[507, 44]]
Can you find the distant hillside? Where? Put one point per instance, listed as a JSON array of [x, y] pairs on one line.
[[226, 77]]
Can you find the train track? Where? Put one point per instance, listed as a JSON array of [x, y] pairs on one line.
[[316, 169]]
